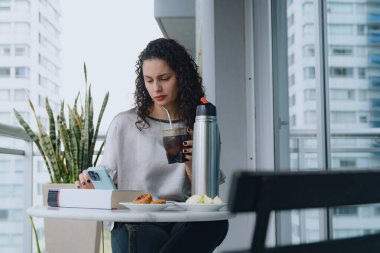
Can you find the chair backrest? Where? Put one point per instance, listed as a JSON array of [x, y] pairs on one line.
[[263, 192]]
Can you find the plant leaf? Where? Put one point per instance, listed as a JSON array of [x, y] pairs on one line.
[[35, 234], [51, 124]]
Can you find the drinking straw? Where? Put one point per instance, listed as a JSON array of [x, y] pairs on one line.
[[170, 119]]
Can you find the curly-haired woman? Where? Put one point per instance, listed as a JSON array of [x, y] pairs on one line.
[[167, 77]]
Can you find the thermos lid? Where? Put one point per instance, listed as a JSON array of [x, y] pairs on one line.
[[206, 108]]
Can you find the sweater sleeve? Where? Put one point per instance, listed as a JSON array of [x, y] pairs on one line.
[[109, 159]]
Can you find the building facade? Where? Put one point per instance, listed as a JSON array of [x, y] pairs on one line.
[[29, 68]]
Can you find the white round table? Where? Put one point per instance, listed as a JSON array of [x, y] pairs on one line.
[[125, 215]]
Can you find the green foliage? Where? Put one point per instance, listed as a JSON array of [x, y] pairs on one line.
[[68, 147], [35, 234]]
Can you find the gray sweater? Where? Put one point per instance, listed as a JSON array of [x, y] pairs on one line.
[[137, 160]]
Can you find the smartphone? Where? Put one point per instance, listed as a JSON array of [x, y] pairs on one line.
[[100, 178]]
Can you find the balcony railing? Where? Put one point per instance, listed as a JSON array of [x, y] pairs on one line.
[[363, 143], [18, 190]]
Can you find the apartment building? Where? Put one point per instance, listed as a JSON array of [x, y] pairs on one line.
[[353, 71], [29, 68]]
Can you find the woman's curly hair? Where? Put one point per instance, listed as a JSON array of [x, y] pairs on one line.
[[190, 88]]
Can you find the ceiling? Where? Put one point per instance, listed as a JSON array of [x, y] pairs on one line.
[[176, 19]]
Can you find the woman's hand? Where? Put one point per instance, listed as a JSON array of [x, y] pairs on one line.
[[84, 181], [188, 151]]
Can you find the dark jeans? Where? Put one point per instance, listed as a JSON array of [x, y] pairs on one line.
[[192, 237]]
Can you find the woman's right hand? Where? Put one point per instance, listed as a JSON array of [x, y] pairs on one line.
[[84, 181]]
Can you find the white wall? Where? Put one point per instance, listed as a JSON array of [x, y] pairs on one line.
[[221, 45]]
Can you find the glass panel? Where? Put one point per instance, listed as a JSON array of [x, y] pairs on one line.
[[303, 111], [12, 211], [354, 92]]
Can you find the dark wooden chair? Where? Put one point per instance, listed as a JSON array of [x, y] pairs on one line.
[[265, 192]]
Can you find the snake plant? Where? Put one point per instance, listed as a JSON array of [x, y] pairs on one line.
[[68, 147]]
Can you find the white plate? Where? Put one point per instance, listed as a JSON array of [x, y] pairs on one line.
[[144, 207], [200, 207]]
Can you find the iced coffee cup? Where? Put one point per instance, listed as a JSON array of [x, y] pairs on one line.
[[173, 143]]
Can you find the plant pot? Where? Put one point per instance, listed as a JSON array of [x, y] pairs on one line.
[[62, 236]]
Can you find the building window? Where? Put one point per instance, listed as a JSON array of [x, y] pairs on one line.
[[5, 94], [291, 20], [18, 190], [21, 50], [292, 100], [341, 50], [5, 5], [5, 50], [341, 94], [341, 72], [343, 117], [22, 72], [292, 80], [17, 214], [309, 72], [291, 40], [308, 29], [5, 190], [341, 8], [310, 95], [310, 117], [293, 120], [20, 95], [374, 94], [5, 72], [4, 239], [307, 8], [360, 29], [362, 73], [5, 164], [361, 8], [361, 51], [3, 214], [363, 118], [291, 59], [308, 51], [5, 27], [340, 29], [345, 211], [22, 28], [5, 117], [22, 5], [17, 239], [19, 166]]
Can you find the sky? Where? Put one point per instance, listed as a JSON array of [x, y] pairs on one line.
[[108, 36]]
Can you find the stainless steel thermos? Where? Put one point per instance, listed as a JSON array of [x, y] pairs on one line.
[[206, 151]]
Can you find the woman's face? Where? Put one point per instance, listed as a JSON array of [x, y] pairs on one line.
[[161, 82]]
